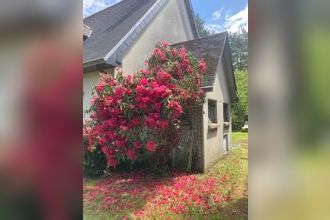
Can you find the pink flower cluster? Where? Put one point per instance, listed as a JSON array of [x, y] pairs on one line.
[[129, 113]]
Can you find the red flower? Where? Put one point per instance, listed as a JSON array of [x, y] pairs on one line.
[[141, 90], [202, 65], [123, 127], [163, 76], [99, 88], [159, 53], [144, 81], [151, 146], [102, 141], [137, 144], [104, 149], [165, 43], [163, 124], [119, 91], [150, 121], [174, 105], [158, 106], [145, 72], [145, 99], [131, 154], [120, 143], [135, 121], [183, 53]]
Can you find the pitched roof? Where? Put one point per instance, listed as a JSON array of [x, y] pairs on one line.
[[213, 49], [117, 27]]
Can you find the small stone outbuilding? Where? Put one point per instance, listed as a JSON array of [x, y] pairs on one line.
[[208, 134]]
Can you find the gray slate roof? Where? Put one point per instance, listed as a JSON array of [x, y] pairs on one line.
[[117, 27], [213, 49], [110, 25]]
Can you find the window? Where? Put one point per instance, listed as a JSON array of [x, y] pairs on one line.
[[226, 113], [212, 111]]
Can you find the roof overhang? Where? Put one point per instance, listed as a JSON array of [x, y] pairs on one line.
[[191, 15]]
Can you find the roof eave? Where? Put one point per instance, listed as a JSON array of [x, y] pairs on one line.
[[93, 62], [233, 88], [128, 40], [191, 15]]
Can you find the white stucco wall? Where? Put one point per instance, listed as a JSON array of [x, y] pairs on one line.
[[213, 138], [89, 81], [171, 25]]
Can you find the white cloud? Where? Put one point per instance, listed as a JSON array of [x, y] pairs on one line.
[[237, 21], [93, 6], [215, 27], [216, 15], [87, 3]]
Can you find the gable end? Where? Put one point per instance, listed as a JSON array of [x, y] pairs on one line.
[[114, 57]]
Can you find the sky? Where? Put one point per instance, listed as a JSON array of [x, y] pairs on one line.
[[219, 15]]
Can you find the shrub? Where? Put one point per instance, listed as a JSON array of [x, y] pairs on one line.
[[137, 117], [94, 162]]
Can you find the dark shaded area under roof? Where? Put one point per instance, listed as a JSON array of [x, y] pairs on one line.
[[110, 25]]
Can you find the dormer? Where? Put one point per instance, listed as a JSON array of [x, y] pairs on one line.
[[87, 32]]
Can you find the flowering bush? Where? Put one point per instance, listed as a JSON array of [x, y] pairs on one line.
[[136, 116]]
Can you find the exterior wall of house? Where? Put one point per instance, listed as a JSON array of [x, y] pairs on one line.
[[89, 81], [213, 137], [171, 25]]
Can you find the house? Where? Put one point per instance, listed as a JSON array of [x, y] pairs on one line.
[[125, 35]]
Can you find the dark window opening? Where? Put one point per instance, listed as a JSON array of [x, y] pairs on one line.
[[226, 113], [212, 111]]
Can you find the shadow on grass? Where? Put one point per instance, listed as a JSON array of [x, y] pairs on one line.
[[236, 209]]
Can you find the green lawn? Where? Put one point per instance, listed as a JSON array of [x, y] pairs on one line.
[[221, 193], [240, 137]]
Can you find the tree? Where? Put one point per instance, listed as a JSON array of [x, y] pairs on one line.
[[239, 49], [201, 27], [240, 108]]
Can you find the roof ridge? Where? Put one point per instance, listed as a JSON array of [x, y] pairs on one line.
[[106, 8], [201, 38]]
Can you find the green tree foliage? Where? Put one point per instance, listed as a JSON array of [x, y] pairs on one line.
[[240, 108], [239, 49], [201, 27]]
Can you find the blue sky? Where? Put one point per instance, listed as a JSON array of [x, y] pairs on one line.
[[222, 15], [219, 15]]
